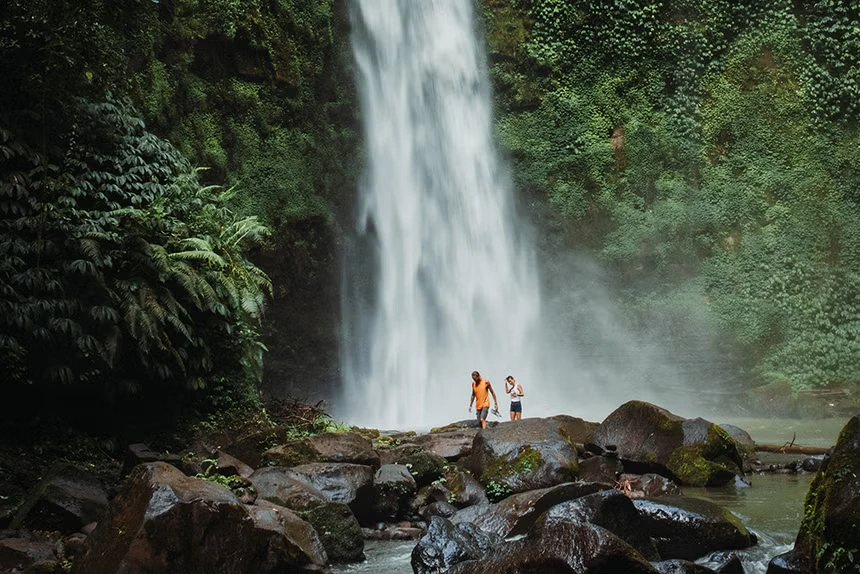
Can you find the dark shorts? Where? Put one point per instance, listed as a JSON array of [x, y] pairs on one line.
[[516, 407], [482, 413]]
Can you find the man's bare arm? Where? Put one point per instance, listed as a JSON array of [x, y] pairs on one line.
[[472, 399], [495, 400]]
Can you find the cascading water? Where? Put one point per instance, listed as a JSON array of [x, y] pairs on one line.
[[441, 279]]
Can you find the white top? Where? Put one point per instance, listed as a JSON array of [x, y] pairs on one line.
[[515, 394]]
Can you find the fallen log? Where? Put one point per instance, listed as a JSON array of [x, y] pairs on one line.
[[792, 449]]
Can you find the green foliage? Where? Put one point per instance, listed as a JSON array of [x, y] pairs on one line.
[[708, 151], [117, 266]]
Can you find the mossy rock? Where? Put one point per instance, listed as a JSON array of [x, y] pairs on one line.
[[292, 453], [650, 439], [505, 476], [830, 532], [338, 530], [425, 467]]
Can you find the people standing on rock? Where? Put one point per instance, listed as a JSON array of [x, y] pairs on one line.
[[515, 390], [481, 390]]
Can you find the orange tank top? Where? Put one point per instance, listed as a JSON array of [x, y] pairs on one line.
[[482, 394]]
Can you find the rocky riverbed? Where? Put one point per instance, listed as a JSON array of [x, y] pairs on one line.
[[555, 494]]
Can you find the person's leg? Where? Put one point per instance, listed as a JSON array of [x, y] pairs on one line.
[[520, 416], [513, 415], [482, 416]]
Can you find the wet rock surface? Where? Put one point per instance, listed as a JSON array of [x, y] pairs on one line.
[[516, 514], [348, 447], [611, 510], [689, 528], [578, 548], [163, 521], [525, 455], [829, 536], [65, 500], [452, 445], [446, 544], [648, 438]]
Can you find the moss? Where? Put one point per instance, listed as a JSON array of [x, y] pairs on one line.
[[338, 530], [832, 547], [292, 453], [504, 471], [688, 464]]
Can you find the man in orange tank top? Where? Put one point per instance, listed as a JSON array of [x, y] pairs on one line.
[[481, 389]]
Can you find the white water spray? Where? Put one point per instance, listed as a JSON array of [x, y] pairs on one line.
[[441, 279]]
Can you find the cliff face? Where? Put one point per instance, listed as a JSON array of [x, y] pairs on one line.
[[262, 95], [702, 151]]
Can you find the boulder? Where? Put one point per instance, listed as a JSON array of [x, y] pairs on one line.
[[446, 544], [335, 523], [65, 500], [689, 528], [228, 465], [561, 548], [425, 466], [516, 514], [18, 554], [463, 489], [600, 469], [680, 567], [525, 455], [829, 536], [279, 486], [164, 521], [745, 443], [349, 447], [339, 531], [648, 438], [393, 486], [611, 510], [451, 445], [279, 520], [344, 483]]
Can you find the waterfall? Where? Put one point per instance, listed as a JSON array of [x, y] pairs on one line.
[[440, 279]]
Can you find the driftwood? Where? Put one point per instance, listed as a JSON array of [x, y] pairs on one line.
[[791, 448]]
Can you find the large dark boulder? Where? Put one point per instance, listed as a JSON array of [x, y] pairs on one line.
[[445, 544], [526, 455], [339, 531], [648, 438], [349, 447], [344, 483], [393, 486], [65, 500], [516, 514], [746, 445], [279, 486], [451, 445], [829, 536], [611, 510], [689, 528], [164, 521], [562, 548], [336, 524]]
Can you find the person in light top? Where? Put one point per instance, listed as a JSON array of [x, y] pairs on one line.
[[515, 390], [481, 389]]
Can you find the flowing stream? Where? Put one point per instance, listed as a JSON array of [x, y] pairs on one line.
[[441, 279]]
